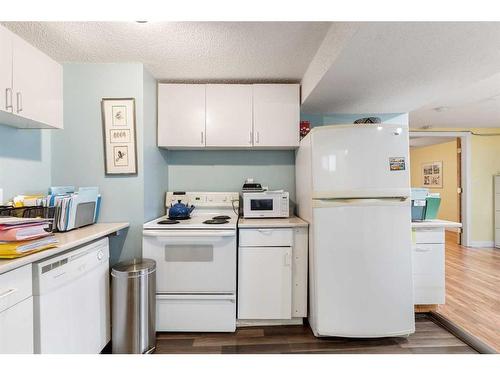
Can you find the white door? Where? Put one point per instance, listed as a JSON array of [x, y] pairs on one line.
[[361, 271], [181, 115], [265, 283], [5, 70], [229, 115], [190, 261], [360, 161], [276, 115], [16, 328]]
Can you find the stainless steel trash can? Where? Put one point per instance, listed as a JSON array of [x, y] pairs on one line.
[[133, 286]]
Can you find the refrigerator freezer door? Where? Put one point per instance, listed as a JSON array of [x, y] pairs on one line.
[[361, 268], [360, 161]]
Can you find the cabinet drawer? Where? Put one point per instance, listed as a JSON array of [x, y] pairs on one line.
[[428, 259], [429, 235], [266, 237], [196, 313], [15, 286]]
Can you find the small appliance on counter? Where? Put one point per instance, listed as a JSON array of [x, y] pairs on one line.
[[250, 186], [267, 204]]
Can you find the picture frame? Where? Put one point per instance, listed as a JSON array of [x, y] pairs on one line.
[[432, 174], [119, 136]]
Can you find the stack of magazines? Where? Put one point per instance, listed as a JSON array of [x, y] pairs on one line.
[[23, 236]]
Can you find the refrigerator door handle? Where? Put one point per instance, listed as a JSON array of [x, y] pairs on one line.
[[381, 201]]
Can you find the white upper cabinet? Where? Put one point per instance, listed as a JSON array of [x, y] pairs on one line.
[[37, 85], [35, 90], [276, 115], [181, 115], [229, 116], [5, 70]]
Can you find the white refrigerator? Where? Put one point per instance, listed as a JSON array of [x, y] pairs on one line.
[[353, 187]]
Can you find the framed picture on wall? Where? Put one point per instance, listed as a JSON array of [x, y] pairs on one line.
[[432, 174], [118, 129]]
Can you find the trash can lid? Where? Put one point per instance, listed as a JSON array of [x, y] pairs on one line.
[[134, 267]]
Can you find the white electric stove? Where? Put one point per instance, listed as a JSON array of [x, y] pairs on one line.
[[195, 263]]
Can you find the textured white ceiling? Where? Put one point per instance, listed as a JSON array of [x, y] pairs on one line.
[[405, 67], [476, 105], [275, 51]]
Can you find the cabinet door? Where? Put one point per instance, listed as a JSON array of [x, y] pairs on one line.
[[37, 85], [5, 70], [264, 283], [229, 115], [181, 115], [16, 328], [276, 115]]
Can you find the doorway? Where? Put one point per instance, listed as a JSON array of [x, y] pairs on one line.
[[448, 153]]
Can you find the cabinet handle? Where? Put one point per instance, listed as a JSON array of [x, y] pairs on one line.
[[19, 98], [201, 140], [7, 293], [258, 137], [250, 139], [421, 249], [287, 259], [8, 93]]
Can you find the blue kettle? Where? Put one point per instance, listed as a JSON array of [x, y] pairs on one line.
[[179, 211]]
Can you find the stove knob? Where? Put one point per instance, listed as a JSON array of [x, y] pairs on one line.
[[100, 254]]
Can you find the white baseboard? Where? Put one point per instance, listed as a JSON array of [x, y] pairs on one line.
[[269, 322], [481, 244]]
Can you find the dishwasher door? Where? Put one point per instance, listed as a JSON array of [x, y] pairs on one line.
[[71, 301]]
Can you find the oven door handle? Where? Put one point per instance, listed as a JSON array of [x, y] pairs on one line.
[[187, 233]]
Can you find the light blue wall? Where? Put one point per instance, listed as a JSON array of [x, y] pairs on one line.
[[227, 170], [77, 151], [155, 168], [24, 161]]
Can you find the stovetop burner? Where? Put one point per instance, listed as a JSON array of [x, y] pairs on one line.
[[168, 221], [216, 221], [221, 217]]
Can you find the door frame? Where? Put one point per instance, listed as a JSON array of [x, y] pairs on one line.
[[466, 206]]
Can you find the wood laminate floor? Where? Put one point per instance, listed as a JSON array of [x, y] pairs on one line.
[[473, 290], [428, 338]]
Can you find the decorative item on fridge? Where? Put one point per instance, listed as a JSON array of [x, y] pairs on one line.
[[305, 127]]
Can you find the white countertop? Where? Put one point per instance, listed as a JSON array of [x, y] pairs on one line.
[[67, 240], [285, 222], [435, 224]]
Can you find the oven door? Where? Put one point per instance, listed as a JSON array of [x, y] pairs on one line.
[[192, 261], [260, 206]]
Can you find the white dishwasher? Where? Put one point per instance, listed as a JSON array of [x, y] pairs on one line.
[[71, 301]]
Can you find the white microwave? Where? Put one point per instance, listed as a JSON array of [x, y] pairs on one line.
[[266, 204]]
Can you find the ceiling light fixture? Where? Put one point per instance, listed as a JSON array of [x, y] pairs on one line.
[[141, 21], [441, 109]]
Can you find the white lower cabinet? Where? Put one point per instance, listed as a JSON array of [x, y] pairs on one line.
[[272, 273], [428, 259], [16, 311], [265, 283]]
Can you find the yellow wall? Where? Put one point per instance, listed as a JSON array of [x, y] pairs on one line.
[[485, 162], [447, 153]]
